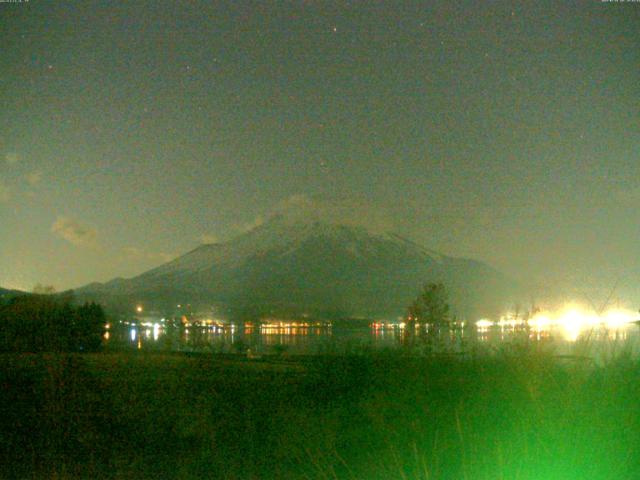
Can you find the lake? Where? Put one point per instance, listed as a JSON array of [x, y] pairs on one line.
[[300, 338]]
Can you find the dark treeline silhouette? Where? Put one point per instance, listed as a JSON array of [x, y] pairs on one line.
[[46, 323]]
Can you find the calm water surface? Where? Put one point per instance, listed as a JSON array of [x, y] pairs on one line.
[[598, 342]]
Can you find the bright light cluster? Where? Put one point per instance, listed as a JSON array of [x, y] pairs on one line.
[[573, 319], [484, 323]]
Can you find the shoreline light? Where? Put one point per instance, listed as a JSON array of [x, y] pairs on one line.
[[484, 323]]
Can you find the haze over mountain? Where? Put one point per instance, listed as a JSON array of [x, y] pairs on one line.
[[291, 267]]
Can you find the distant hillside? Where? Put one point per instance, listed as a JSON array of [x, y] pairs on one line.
[[7, 294], [319, 269]]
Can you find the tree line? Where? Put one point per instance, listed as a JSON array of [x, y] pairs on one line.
[[50, 323]]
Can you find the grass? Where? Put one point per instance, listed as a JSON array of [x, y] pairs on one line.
[[380, 415]]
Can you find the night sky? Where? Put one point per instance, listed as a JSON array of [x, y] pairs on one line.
[[130, 132]]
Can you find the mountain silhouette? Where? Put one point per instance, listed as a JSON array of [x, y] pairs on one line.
[[294, 268]]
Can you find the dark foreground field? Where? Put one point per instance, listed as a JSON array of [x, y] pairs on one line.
[[377, 416]]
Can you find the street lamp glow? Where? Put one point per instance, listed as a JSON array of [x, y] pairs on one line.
[[484, 323], [540, 322], [619, 318]]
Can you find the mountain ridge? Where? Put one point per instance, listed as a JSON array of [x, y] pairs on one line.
[[294, 268]]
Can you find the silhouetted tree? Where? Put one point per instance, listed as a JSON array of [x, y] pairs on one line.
[[87, 327], [430, 306]]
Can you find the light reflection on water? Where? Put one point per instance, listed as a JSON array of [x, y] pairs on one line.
[[566, 339]]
